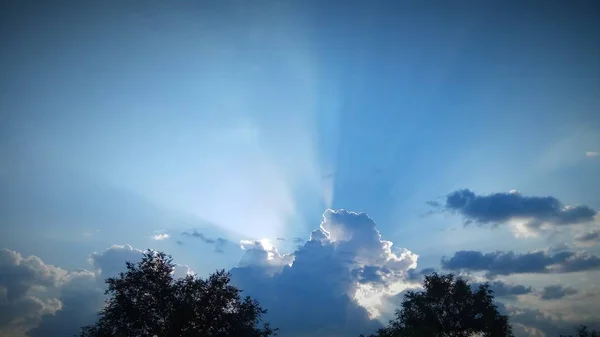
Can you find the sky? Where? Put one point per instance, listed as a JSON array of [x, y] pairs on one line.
[[326, 153]]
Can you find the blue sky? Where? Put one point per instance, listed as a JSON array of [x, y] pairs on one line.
[[188, 128]]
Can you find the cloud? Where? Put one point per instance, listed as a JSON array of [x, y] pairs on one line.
[[419, 276], [22, 282], [82, 293], [161, 236], [499, 208], [555, 292], [502, 289], [528, 321], [590, 238], [19, 315], [297, 240], [82, 298], [38, 300], [506, 263], [219, 243], [19, 274], [182, 270], [112, 261], [592, 154], [331, 283]]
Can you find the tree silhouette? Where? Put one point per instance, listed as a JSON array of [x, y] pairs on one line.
[[147, 301], [583, 331], [448, 307]]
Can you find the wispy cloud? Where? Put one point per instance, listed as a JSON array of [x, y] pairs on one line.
[[588, 239], [591, 154], [219, 243]]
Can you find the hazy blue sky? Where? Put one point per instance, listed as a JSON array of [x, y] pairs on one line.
[[190, 126]]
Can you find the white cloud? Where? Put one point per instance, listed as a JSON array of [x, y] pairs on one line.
[[161, 236], [591, 154], [182, 270], [111, 262]]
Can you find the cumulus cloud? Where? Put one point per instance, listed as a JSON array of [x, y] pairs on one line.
[[506, 263], [536, 213], [22, 282], [182, 270], [38, 300], [19, 315], [81, 298], [332, 282], [219, 243], [19, 274], [111, 262]]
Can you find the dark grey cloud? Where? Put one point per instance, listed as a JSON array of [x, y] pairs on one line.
[[198, 235], [418, 276], [502, 289], [498, 208], [555, 292], [219, 243], [589, 238], [506, 263], [311, 292]]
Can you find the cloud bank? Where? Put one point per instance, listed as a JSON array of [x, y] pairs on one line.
[[507, 263], [343, 280]]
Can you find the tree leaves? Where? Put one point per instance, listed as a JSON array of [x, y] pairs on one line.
[[448, 307], [147, 300]]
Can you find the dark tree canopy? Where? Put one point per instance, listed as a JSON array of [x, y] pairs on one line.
[[147, 300], [584, 331], [448, 307]]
